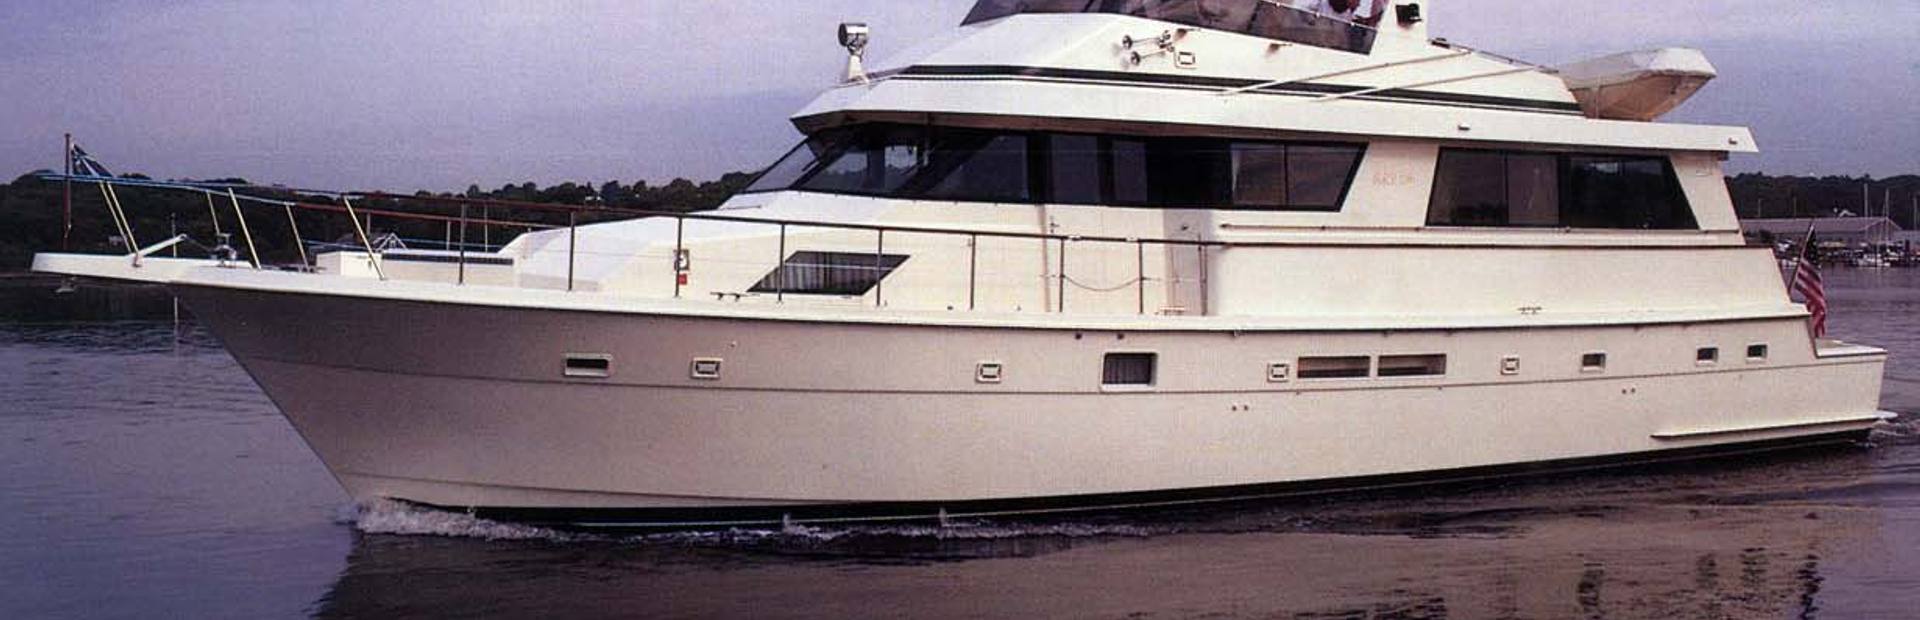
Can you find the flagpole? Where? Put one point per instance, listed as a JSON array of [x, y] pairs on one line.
[[66, 220], [1813, 333], [1802, 257]]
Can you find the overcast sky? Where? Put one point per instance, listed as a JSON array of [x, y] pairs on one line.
[[437, 95]]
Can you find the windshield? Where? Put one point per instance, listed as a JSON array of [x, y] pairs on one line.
[[1334, 24]]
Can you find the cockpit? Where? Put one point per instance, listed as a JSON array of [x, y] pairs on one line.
[[1347, 25]]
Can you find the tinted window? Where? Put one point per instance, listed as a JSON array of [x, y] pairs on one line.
[[1002, 166], [872, 162], [1294, 176], [1533, 189], [803, 160], [1259, 175], [979, 167], [1470, 189], [1624, 192], [1129, 171], [1189, 172], [1074, 172], [1494, 188], [1317, 176]]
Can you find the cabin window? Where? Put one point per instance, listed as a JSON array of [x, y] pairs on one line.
[[829, 273], [1129, 157], [974, 166], [1128, 369], [937, 163], [1707, 356], [1757, 353], [1350, 367], [1074, 170], [1413, 365], [873, 162], [1593, 362], [1612, 191], [1303, 177], [1544, 190]]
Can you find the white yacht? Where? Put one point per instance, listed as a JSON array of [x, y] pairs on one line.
[[1080, 255]]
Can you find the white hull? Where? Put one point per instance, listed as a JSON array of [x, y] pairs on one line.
[[464, 406]]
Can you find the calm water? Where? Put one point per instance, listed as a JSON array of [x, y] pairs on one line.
[[143, 475]]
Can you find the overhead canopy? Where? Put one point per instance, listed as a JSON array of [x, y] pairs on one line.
[[1293, 21]]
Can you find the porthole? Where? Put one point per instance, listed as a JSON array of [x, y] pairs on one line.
[[1707, 356], [1593, 362], [1128, 369], [588, 366], [1757, 353]]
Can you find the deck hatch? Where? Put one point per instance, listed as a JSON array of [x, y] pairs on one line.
[[844, 274]]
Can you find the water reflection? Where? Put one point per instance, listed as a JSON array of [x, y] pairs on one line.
[[1687, 541]]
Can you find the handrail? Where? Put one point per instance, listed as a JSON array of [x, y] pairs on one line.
[[708, 217]]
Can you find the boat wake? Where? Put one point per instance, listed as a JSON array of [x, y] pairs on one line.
[[396, 518], [402, 519]]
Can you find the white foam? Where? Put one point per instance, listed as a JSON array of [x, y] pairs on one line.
[[383, 517], [396, 518]]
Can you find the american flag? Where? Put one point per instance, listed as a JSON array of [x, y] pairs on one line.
[[1807, 282]]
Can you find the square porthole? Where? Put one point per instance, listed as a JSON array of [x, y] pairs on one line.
[[588, 366], [1706, 356], [1128, 370], [989, 372], [1279, 372], [706, 369], [1347, 367], [1510, 365], [1595, 362], [1757, 353]]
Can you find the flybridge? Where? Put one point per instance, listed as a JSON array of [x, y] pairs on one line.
[[1346, 25]]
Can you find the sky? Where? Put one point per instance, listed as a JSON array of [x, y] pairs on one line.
[[437, 95]]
